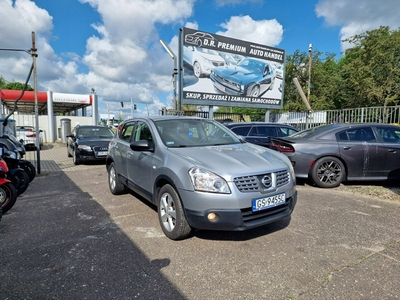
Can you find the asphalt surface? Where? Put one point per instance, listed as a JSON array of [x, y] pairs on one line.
[[68, 237]]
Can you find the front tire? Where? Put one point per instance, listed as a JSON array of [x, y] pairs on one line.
[[8, 196], [171, 215], [116, 187], [328, 172], [29, 168], [255, 91], [75, 157], [20, 180], [197, 69]]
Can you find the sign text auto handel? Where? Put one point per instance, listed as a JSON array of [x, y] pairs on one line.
[[230, 98], [234, 46]]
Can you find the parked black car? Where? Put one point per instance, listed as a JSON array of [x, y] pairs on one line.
[[89, 143], [331, 154], [250, 77], [259, 133]]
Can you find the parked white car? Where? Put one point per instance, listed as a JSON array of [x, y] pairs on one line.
[[28, 135], [202, 60]]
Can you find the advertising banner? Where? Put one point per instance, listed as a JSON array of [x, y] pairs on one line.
[[71, 98], [223, 71]]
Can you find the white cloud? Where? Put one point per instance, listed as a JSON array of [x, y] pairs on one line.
[[265, 32], [359, 16]]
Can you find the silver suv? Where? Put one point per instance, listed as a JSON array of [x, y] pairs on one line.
[[200, 175]]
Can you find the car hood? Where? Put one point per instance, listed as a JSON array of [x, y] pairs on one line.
[[236, 74], [234, 160], [212, 57]]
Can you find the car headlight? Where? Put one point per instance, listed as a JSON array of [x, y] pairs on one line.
[[12, 154], [84, 147], [206, 181]]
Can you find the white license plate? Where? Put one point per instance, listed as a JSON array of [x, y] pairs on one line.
[[264, 203], [101, 153], [219, 86]]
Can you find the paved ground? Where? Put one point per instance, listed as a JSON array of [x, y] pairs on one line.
[[68, 237]]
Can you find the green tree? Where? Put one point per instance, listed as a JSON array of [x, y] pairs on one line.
[[371, 69], [16, 86], [324, 81], [2, 82]]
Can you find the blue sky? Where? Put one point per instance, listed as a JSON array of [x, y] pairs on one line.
[[114, 46]]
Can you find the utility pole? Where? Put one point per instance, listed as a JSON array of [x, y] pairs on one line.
[[108, 109], [34, 55], [309, 73], [131, 108]]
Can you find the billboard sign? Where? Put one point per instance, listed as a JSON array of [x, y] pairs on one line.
[[223, 71]]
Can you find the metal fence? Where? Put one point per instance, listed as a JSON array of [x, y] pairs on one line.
[[302, 120], [389, 114]]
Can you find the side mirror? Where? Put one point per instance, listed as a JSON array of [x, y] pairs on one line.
[[142, 145]]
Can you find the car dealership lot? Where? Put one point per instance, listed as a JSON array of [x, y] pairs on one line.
[[69, 237]]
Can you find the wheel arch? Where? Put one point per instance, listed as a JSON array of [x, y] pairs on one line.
[[159, 183]]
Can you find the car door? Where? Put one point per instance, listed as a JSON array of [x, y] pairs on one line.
[[260, 134], [140, 163], [362, 152], [391, 147], [121, 148]]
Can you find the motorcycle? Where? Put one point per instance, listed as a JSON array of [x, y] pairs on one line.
[[8, 193], [28, 167], [17, 175]]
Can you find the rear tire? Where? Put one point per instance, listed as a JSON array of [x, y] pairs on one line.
[[171, 214], [328, 172], [8, 196], [116, 187]]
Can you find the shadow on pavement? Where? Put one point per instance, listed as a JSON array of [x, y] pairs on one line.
[[50, 252]]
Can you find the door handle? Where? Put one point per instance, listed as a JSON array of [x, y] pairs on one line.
[[346, 148], [392, 150]]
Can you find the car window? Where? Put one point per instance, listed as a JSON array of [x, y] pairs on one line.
[[194, 133], [241, 130], [142, 132], [126, 131], [263, 131], [286, 131], [389, 135], [95, 132], [364, 134]]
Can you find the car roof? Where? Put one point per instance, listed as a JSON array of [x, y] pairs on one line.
[[160, 118], [257, 123]]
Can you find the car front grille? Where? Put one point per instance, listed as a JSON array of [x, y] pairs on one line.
[[218, 64], [246, 184], [227, 83]]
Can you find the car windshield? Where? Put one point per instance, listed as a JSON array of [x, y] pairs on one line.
[[194, 133], [95, 132], [252, 64]]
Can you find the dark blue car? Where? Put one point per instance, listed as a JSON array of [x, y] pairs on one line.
[[250, 77]]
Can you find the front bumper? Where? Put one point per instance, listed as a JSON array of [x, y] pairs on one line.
[[240, 219]]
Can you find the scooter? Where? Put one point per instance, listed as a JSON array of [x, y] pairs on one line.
[[8, 193]]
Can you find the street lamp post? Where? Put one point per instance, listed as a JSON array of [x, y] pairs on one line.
[[174, 73]]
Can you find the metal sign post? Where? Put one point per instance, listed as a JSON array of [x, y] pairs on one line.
[[34, 55]]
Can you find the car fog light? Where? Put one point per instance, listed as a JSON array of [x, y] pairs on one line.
[[213, 217]]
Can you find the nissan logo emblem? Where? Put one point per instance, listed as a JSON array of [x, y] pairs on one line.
[[266, 181]]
